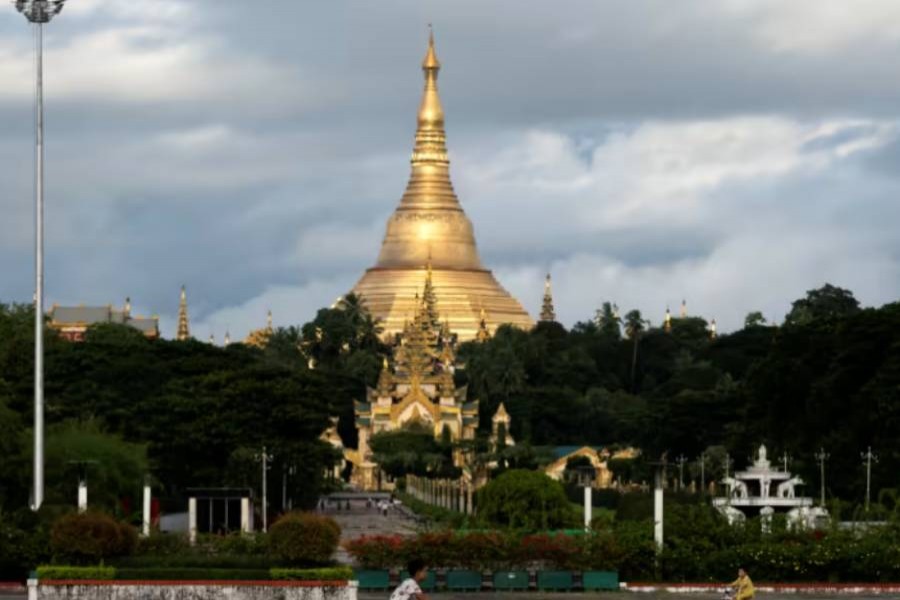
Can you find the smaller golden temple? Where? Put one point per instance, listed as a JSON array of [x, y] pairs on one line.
[[418, 389]]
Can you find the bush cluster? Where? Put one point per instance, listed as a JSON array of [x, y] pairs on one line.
[[322, 574], [490, 550], [90, 537], [699, 546], [304, 539], [67, 572]]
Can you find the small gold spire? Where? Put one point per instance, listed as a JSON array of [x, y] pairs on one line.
[[548, 313], [683, 313], [184, 329], [127, 309], [667, 324], [227, 341], [713, 333]]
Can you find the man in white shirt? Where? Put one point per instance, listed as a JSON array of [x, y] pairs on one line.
[[409, 589]]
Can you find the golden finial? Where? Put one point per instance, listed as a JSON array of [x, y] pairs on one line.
[[184, 328], [431, 61], [227, 341], [548, 313], [667, 323], [127, 309], [713, 333], [683, 308], [269, 321]]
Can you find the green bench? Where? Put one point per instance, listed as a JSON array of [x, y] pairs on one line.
[[554, 580], [464, 581], [373, 579], [600, 580], [511, 580]]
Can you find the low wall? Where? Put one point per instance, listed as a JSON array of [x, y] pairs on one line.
[[190, 590]]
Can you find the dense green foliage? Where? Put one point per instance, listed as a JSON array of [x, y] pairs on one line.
[[304, 539], [829, 377], [196, 412], [70, 572], [322, 574], [527, 500], [699, 546]]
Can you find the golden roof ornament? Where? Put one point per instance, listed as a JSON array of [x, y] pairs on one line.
[[484, 333], [683, 313], [713, 333], [667, 323], [184, 329], [548, 313]]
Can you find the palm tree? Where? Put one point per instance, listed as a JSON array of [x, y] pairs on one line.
[[608, 320], [634, 325]]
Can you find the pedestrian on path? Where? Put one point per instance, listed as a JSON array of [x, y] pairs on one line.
[[410, 589]]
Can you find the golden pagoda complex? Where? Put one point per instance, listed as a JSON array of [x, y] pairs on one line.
[[430, 227], [260, 337], [417, 389]]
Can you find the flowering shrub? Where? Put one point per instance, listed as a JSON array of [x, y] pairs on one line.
[[304, 539], [629, 548], [90, 537]]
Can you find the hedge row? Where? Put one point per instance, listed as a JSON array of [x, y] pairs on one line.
[[791, 556], [185, 574]]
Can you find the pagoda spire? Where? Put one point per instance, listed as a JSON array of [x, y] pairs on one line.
[[184, 328], [667, 322], [269, 328], [713, 330], [548, 313], [683, 313]]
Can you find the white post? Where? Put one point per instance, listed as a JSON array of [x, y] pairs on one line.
[[658, 510], [82, 496], [587, 508], [245, 515], [192, 520], [32, 589], [145, 525]]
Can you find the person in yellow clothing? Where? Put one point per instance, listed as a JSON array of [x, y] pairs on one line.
[[743, 587]]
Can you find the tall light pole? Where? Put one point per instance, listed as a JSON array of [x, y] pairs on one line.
[[39, 12], [822, 456], [868, 457], [266, 460]]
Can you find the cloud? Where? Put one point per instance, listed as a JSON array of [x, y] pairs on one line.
[[733, 153]]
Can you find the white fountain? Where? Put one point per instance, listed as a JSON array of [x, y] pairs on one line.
[[763, 490]]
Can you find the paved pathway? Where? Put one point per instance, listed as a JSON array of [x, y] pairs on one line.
[[361, 520]]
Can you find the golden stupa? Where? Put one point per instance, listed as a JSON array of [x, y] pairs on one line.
[[430, 231]]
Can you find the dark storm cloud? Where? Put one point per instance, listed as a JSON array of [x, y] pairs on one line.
[[253, 150]]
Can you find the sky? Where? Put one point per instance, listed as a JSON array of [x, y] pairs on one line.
[[734, 154]]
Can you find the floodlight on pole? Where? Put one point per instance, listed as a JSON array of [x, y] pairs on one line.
[[39, 12], [868, 457]]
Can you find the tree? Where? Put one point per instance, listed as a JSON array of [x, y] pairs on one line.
[[827, 302], [527, 500], [634, 326], [754, 319], [608, 321]]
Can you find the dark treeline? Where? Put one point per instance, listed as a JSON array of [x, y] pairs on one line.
[[196, 415], [828, 377]]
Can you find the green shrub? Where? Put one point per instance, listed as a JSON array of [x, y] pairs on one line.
[[67, 572], [194, 561], [527, 500], [188, 574], [163, 544], [90, 538], [304, 539], [323, 574]]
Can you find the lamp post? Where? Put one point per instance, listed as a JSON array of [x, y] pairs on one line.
[[265, 459], [822, 456], [585, 477], [681, 460], [868, 457], [39, 12]]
